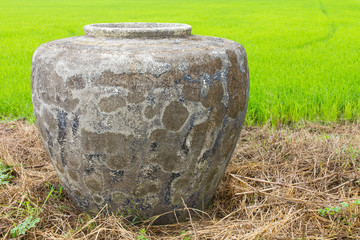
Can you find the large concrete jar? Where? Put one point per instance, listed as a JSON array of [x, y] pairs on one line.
[[140, 116]]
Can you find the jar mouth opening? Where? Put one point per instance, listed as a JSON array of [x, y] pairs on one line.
[[138, 30]]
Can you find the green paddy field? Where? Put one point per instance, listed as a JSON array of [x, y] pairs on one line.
[[304, 55]]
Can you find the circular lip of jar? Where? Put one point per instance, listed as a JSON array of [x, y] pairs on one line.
[[138, 30]]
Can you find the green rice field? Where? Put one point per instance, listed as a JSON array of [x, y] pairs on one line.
[[304, 55]]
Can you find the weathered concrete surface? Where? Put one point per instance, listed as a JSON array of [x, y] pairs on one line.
[[137, 30], [140, 123]]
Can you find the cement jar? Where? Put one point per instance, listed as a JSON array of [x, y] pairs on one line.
[[140, 117]]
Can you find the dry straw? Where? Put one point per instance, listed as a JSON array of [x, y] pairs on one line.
[[282, 183]]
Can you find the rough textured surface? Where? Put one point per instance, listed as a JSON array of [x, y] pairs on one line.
[[140, 123], [137, 30]]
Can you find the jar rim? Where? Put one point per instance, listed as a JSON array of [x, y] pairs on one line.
[[138, 30]]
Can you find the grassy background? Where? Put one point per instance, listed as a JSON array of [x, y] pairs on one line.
[[304, 56]]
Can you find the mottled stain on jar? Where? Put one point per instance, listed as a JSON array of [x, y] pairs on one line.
[[205, 64], [98, 199], [75, 82], [112, 103], [94, 182], [119, 161], [214, 96], [175, 116], [73, 175], [168, 160], [192, 91], [150, 112], [143, 189]]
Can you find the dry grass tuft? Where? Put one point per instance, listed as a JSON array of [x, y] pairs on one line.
[[276, 183]]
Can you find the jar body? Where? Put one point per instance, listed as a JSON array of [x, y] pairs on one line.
[[140, 124]]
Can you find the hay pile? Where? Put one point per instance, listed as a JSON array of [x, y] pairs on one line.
[[277, 182]]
